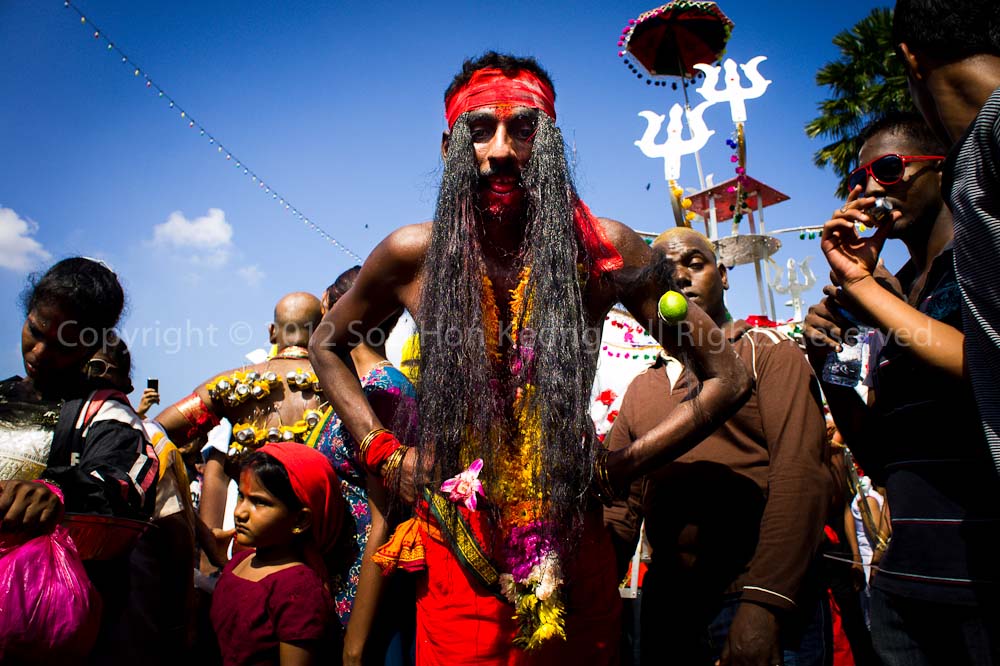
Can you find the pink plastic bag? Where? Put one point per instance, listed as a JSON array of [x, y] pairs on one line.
[[49, 610]]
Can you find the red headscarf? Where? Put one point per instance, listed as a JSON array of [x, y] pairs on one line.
[[316, 486], [491, 86]]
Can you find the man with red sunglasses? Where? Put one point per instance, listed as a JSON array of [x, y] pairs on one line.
[[919, 435], [887, 169]]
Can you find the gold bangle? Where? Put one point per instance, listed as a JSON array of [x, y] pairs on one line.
[[387, 466], [367, 441], [602, 482], [392, 470]]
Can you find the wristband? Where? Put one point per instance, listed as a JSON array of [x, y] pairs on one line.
[[379, 449], [197, 414]]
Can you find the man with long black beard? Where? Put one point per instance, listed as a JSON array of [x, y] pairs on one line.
[[510, 285]]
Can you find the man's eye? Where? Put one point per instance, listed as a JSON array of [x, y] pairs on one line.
[[696, 265], [480, 134]]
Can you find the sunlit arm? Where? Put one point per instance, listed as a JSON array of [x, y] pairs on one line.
[[374, 296], [930, 341]]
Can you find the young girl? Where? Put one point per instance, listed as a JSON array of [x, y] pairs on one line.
[[270, 605]]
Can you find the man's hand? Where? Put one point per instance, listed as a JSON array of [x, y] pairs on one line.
[[149, 398], [853, 258], [28, 507], [218, 547], [753, 638], [214, 543], [858, 577], [824, 328], [408, 477]]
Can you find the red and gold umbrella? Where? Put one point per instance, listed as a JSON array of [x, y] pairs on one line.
[[669, 40]]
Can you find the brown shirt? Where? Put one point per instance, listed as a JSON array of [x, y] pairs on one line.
[[744, 509]]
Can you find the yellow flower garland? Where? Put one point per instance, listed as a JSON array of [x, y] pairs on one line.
[[519, 498]]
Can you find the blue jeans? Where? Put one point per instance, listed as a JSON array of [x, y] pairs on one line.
[[802, 645], [908, 632]]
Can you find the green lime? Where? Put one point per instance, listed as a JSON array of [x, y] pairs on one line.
[[673, 307]]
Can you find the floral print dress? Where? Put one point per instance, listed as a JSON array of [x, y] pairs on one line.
[[386, 388]]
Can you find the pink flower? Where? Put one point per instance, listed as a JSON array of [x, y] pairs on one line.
[[463, 488]]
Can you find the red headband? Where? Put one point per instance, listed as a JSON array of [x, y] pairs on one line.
[[491, 86], [316, 486]]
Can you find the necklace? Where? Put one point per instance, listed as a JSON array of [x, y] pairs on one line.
[[292, 352]]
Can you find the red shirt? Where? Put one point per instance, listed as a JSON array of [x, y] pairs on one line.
[[252, 617]]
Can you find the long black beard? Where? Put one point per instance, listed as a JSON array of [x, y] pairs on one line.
[[462, 397]]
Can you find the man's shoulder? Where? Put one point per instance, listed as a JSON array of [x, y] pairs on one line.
[[768, 345], [409, 241], [619, 233], [629, 244]]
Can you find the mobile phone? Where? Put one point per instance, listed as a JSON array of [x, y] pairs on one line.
[[153, 383]]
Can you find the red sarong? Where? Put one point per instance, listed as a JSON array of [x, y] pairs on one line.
[[460, 622]]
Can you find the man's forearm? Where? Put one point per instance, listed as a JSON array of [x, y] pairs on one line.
[[932, 342], [683, 429], [341, 384], [215, 485]]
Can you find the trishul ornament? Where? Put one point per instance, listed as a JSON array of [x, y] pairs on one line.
[[733, 91], [674, 146], [794, 287]]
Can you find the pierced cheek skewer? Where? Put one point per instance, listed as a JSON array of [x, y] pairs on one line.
[[880, 213]]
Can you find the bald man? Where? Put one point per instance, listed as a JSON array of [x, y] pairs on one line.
[[735, 523], [286, 402]]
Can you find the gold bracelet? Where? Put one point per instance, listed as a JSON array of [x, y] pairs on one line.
[[602, 483], [367, 441], [387, 466], [393, 468]]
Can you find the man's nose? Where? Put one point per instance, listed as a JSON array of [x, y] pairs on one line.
[[873, 188], [501, 146], [682, 276]]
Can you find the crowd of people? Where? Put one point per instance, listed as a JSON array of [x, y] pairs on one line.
[[466, 512]]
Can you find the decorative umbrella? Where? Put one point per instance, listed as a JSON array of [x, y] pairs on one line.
[[669, 40]]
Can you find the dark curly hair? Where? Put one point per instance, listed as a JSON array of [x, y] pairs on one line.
[[909, 124], [506, 63], [948, 30], [86, 290]]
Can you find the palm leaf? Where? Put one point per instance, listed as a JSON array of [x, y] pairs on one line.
[[866, 82]]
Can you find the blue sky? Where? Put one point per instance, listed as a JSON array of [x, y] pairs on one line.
[[338, 107]]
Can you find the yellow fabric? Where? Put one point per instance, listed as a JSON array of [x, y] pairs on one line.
[[405, 548]]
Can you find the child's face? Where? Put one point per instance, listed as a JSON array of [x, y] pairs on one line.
[[262, 520]]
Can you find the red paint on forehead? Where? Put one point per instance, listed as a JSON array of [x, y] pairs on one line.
[[492, 87]]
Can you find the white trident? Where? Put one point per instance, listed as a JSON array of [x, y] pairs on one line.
[[733, 92], [674, 146]]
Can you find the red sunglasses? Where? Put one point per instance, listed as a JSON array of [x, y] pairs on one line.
[[886, 170]]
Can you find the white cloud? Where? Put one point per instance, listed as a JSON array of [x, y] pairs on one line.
[[18, 250], [205, 240], [252, 275]]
